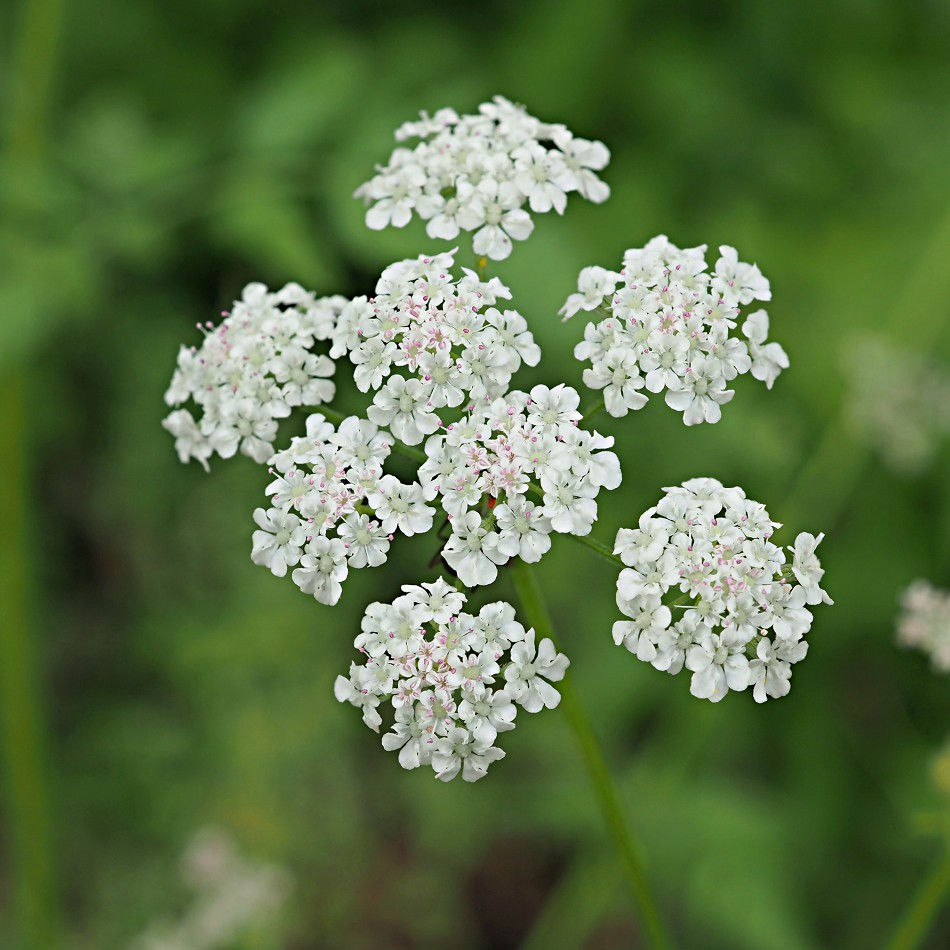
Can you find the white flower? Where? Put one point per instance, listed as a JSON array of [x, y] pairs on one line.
[[493, 208], [430, 339], [593, 284], [410, 736], [770, 673], [439, 600], [322, 569], [768, 359], [320, 482], [582, 159], [673, 642], [401, 507], [477, 173], [552, 406], [242, 423], [649, 618], [516, 338], [461, 751], [468, 553], [395, 194], [436, 667], [360, 441], [898, 401], [700, 393], [347, 691], [373, 359], [404, 406], [569, 502], [738, 282], [542, 177], [808, 571], [366, 542], [716, 668], [474, 672], [925, 622], [707, 589], [645, 544], [496, 627], [618, 375], [278, 545], [487, 713], [250, 370], [530, 674], [189, 442], [790, 620], [522, 530], [665, 325]]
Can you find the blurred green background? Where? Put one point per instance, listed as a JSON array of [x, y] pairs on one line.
[[159, 155]]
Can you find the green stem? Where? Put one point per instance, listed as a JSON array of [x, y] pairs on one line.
[[920, 914], [598, 547], [33, 77], [592, 411], [23, 753], [536, 613], [22, 741]]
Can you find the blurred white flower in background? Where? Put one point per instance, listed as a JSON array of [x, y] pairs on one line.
[[898, 401], [234, 895], [925, 622]]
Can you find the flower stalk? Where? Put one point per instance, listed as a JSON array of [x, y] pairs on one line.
[[928, 900], [630, 852], [23, 755]]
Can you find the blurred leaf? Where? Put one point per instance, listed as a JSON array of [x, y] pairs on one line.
[[307, 98], [266, 220]]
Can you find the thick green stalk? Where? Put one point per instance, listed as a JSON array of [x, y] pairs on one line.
[[23, 754], [592, 411], [598, 547], [920, 914], [536, 613]]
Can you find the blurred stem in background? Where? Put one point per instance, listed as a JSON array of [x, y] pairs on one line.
[[824, 484], [919, 915], [24, 754], [537, 615]]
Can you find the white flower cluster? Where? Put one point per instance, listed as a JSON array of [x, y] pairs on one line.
[[477, 172], [445, 333], [483, 468], [740, 616], [925, 622], [899, 401], [666, 327], [455, 681], [251, 370], [333, 508]]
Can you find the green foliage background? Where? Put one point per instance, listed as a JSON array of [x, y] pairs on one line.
[[184, 149]]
